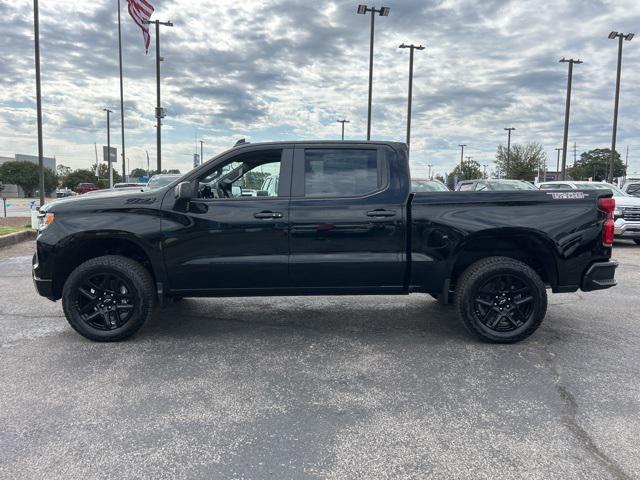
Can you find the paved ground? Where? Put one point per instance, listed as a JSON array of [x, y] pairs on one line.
[[355, 387]]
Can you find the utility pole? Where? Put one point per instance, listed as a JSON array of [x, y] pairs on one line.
[[468, 159], [159, 110], [36, 34], [343, 121], [620, 37], [411, 48], [558, 162], [429, 165], [384, 12], [201, 152], [484, 170], [570, 61], [109, 147], [626, 164], [124, 167], [509, 129], [461, 155]]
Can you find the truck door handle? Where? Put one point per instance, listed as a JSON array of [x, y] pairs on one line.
[[266, 214], [381, 213]]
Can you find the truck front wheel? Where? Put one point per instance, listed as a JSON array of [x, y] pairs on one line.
[[108, 298], [501, 300]]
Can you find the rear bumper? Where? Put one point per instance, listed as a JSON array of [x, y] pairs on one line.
[[599, 275], [44, 286]]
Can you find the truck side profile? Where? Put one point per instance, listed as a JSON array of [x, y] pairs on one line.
[[342, 220]]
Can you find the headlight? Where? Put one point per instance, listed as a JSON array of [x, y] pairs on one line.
[[44, 220]]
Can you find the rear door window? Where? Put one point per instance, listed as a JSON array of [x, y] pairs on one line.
[[341, 172]]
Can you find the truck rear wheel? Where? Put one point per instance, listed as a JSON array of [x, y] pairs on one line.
[[108, 298], [501, 300]]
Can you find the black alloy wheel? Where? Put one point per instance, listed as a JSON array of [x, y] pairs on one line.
[[504, 303], [501, 299], [105, 301], [108, 298]]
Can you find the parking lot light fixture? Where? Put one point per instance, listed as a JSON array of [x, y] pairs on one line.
[[620, 37], [411, 49], [384, 12], [343, 121], [570, 61], [506, 170]]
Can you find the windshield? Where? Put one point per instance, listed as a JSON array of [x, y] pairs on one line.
[[428, 186], [161, 181], [508, 185]]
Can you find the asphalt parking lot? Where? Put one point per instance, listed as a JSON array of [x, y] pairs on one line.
[[319, 387]]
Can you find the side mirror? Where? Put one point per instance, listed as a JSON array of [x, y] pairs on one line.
[[183, 191]]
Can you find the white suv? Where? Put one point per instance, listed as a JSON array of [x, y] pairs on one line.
[[626, 214]]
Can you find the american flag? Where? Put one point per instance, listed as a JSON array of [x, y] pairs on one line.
[[141, 10]]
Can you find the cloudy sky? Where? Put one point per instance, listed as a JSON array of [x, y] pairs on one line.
[[288, 69]]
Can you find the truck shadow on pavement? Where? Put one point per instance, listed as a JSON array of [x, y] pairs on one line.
[[416, 315]]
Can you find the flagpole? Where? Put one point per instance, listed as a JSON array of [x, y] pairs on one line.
[[124, 167]]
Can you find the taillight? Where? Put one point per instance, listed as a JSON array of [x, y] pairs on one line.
[[607, 205]]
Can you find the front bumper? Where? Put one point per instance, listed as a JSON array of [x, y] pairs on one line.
[[599, 275], [626, 229], [44, 286]]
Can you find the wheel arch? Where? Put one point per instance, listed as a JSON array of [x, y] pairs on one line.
[[96, 244], [530, 247]]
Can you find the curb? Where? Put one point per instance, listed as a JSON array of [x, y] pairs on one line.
[[17, 237]]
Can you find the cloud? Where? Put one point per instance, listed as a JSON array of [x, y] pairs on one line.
[[287, 69]]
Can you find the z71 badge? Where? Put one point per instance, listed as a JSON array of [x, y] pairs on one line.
[[568, 195]]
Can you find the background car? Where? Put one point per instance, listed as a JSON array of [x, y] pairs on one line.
[[627, 211], [162, 180], [427, 185], [632, 188], [85, 187], [64, 192], [493, 185]]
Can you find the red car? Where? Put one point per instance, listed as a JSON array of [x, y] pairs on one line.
[[85, 187]]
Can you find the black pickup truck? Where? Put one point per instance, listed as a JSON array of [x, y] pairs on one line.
[[340, 219]]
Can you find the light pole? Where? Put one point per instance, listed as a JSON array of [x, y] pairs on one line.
[[36, 34], [558, 162], [343, 121], [429, 165], [109, 147], [201, 152], [570, 61], [509, 129], [411, 48], [620, 37], [461, 155], [484, 170], [384, 12], [159, 110]]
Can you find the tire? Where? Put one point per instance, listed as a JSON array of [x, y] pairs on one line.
[[501, 300], [637, 240], [108, 299]]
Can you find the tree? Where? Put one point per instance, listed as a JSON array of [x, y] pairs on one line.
[[27, 176], [138, 172], [62, 170], [103, 173], [523, 161], [171, 171], [254, 180], [72, 179], [470, 170], [594, 164]]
